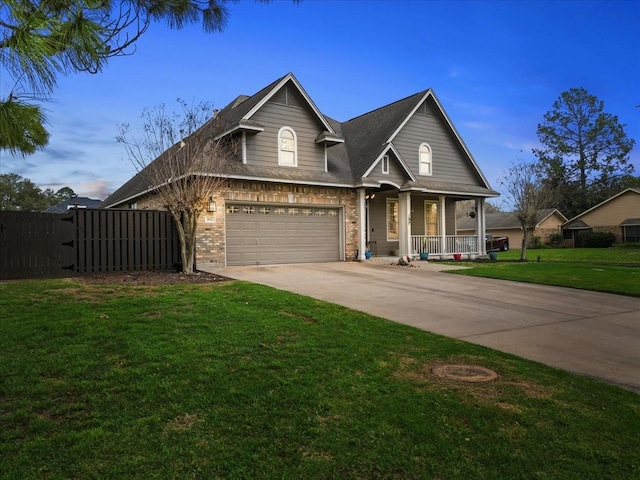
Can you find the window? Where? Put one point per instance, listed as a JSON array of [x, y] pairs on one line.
[[425, 160], [279, 211], [385, 164], [431, 218], [249, 210], [133, 206], [631, 233], [307, 212], [233, 209], [264, 211], [287, 147], [392, 219]]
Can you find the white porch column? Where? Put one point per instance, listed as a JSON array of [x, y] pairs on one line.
[[481, 226], [442, 223], [404, 223], [362, 233]]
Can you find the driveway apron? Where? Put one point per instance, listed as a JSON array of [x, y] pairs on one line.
[[589, 333]]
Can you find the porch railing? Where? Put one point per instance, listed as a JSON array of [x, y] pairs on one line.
[[432, 244]]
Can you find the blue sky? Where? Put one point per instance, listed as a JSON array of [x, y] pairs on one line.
[[496, 66]]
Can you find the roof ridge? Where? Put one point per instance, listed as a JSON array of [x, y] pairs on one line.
[[423, 92]]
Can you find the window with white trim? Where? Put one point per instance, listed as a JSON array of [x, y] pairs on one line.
[[392, 219], [431, 217], [287, 147], [425, 159], [385, 164]]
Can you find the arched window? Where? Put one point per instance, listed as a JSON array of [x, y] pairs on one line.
[[425, 159], [287, 147]]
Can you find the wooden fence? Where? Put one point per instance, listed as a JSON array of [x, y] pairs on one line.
[[84, 241]]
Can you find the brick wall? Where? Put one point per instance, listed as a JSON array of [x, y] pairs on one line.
[[211, 231]]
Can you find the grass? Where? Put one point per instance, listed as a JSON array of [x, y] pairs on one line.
[[610, 270], [237, 381]]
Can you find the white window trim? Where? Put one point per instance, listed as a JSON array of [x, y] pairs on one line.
[[421, 171], [295, 148], [426, 204], [385, 164], [386, 220]]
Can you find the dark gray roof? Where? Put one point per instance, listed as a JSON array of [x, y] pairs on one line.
[[631, 222], [575, 225], [73, 202], [501, 220], [368, 133], [365, 139]]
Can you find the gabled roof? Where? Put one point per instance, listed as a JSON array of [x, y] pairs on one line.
[[240, 111], [371, 134], [73, 202], [633, 190], [368, 137], [368, 133], [503, 220]]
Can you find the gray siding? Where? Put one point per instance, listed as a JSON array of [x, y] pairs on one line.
[[262, 148], [449, 162], [396, 175]]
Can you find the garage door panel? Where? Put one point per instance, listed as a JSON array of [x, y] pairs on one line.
[[274, 235]]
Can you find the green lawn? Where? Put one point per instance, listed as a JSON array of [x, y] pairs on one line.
[[238, 381], [611, 270]]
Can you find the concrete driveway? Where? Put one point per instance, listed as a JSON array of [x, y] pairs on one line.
[[590, 333]]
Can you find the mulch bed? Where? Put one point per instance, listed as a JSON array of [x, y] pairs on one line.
[[149, 278]]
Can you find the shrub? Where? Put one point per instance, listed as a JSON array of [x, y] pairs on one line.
[[556, 240], [536, 242], [599, 240]]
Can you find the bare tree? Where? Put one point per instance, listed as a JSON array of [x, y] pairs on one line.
[[530, 195], [180, 158]]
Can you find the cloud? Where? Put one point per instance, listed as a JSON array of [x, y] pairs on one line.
[[95, 189]]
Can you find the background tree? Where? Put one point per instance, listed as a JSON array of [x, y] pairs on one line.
[[41, 39], [18, 193], [530, 195], [180, 161], [585, 151]]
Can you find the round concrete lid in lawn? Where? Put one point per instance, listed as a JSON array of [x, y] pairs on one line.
[[464, 373]]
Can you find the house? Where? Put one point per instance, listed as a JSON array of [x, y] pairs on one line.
[[73, 202], [506, 224], [619, 215], [304, 187]]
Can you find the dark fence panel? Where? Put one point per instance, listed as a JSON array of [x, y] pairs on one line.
[[123, 240], [84, 241], [35, 245]]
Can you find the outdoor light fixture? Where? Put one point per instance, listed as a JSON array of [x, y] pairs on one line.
[[370, 196], [212, 205]]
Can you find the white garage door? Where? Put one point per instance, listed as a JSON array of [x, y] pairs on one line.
[[268, 234]]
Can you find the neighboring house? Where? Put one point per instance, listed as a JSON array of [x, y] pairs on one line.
[[73, 202], [306, 188], [619, 215], [507, 225]]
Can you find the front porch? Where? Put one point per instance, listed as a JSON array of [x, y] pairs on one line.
[[437, 246], [396, 223]]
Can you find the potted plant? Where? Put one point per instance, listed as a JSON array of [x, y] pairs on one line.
[[493, 256], [457, 256], [367, 254], [424, 251]]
